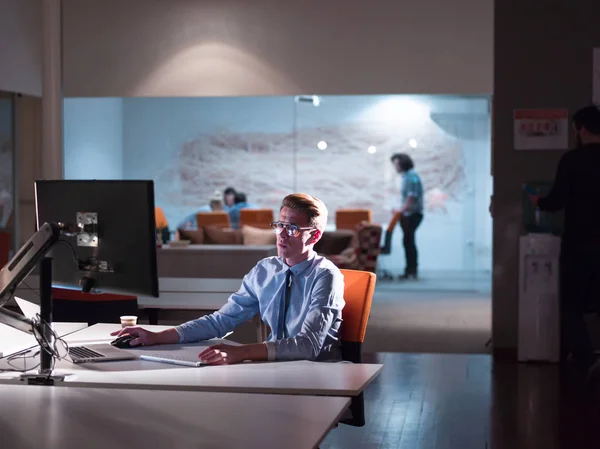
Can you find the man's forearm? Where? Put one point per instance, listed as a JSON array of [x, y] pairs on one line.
[[255, 352], [166, 337]]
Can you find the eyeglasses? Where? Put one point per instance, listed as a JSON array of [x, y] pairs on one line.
[[291, 229]]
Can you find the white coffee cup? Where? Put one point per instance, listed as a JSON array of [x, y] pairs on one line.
[[128, 320]]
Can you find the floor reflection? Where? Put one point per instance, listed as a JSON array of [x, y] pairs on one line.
[[425, 401]]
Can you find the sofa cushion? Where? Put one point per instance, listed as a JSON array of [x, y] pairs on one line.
[[258, 236], [195, 236], [334, 242], [222, 236]]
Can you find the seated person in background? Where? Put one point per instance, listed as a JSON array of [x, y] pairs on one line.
[[304, 318], [241, 202], [228, 198], [214, 205]]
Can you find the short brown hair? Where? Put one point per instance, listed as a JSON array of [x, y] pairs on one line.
[[313, 207]]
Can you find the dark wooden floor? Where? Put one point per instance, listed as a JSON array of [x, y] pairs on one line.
[[426, 401]]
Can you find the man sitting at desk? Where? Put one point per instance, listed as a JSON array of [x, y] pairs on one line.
[[298, 294]]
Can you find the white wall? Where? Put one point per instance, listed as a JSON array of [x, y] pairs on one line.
[[274, 47], [21, 46], [93, 138]]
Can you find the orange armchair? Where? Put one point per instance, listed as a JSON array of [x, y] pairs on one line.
[[351, 218], [258, 218], [217, 219], [359, 287]]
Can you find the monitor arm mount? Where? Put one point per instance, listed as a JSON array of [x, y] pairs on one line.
[[34, 252], [85, 229]]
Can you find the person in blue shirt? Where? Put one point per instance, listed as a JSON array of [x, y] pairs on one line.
[[411, 210], [215, 204], [240, 202], [298, 294]]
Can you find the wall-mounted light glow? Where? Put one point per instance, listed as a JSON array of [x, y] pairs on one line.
[[372, 149], [413, 143], [398, 110], [322, 145]]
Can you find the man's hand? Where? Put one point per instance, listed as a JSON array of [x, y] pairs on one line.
[[148, 338], [223, 354]]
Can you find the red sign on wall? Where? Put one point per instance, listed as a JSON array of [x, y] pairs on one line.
[[541, 129]]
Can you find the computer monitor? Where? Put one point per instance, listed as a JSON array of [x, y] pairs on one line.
[[109, 232]]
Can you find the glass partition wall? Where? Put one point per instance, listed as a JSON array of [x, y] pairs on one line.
[[337, 148]]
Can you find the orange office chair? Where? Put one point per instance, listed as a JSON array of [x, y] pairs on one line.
[[162, 225], [160, 218], [257, 218], [358, 294], [217, 219], [351, 218], [387, 245], [387, 242]]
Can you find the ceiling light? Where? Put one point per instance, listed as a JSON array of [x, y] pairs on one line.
[[372, 149], [413, 143], [322, 145]]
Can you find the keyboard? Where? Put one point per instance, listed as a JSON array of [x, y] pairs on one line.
[[81, 352]]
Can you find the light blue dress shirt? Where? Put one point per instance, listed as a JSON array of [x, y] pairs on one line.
[[314, 315], [412, 188]]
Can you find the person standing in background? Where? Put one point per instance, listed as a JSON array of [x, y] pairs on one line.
[[411, 211], [576, 190]]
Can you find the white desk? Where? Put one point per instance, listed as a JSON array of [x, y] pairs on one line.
[[13, 340], [69, 418], [293, 378]]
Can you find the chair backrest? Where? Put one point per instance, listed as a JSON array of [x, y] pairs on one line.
[[358, 294], [160, 218], [351, 218], [219, 219], [258, 218], [4, 248], [392, 224]]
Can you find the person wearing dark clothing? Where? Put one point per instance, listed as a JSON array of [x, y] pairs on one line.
[[576, 190], [411, 212]]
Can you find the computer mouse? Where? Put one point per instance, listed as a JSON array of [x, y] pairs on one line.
[[123, 342]]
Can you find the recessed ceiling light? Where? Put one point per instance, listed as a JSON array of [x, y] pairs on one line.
[[413, 143], [372, 149], [322, 145]]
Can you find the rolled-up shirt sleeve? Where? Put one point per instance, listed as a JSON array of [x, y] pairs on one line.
[[240, 307], [326, 304]]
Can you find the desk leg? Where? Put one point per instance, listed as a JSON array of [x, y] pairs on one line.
[[152, 316]]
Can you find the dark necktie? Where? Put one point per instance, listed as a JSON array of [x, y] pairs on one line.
[[285, 304]]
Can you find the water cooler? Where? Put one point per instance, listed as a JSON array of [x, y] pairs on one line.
[[539, 315]]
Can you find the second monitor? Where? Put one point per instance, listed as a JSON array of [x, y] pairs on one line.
[[109, 234]]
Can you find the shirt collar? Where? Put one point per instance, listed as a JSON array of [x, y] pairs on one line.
[[300, 267]]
